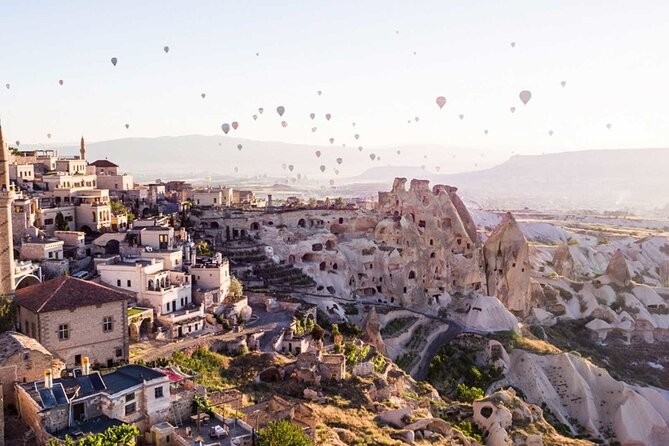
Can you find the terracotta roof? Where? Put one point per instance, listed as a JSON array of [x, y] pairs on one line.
[[65, 293], [103, 163], [12, 342]]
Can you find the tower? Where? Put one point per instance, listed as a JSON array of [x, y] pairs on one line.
[[82, 149], [6, 245]]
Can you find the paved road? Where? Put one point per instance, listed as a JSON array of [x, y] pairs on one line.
[[454, 329]]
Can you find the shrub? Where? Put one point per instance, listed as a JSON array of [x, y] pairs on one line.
[[283, 433], [468, 394]]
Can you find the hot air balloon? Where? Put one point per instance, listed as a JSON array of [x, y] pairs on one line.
[[114, 61], [166, 49], [408, 121], [235, 124], [257, 54], [378, 158], [356, 136], [360, 149], [284, 123], [416, 119], [260, 110], [7, 86], [513, 109], [437, 168], [485, 131], [319, 92], [398, 152], [291, 167], [328, 116], [204, 95], [353, 124], [331, 140], [61, 82], [339, 161], [312, 115], [608, 126], [283, 166], [255, 117], [525, 96], [226, 128], [336, 171], [236, 169], [550, 133], [441, 101], [18, 143], [331, 182], [372, 156], [280, 110], [322, 168], [313, 129], [127, 126], [220, 144], [513, 44], [318, 153], [462, 116], [239, 147], [563, 83], [48, 135]]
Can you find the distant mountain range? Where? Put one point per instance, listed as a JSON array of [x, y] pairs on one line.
[[634, 179]]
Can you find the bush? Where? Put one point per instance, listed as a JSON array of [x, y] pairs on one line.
[[469, 430], [283, 433], [468, 394], [354, 353]]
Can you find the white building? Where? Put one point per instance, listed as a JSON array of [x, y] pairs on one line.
[[213, 277]]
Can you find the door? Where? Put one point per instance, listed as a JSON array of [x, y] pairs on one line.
[[78, 412], [180, 332]]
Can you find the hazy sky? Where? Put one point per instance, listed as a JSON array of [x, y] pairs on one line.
[[612, 54]]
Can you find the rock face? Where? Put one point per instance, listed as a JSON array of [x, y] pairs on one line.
[[507, 266], [584, 396], [617, 269], [563, 262], [371, 328]]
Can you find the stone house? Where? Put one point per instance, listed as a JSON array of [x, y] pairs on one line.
[[74, 318], [41, 249], [23, 359], [89, 402]]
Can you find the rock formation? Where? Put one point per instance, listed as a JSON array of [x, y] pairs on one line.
[[563, 262], [371, 328], [507, 266], [617, 269]]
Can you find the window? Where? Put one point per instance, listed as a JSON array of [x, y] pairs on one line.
[[129, 283], [158, 392], [107, 324], [130, 397], [118, 282], [130, 409], [119, 352], [48, 221], [51, 255], [63, 332]]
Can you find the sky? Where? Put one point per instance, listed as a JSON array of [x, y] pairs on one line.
[[359, 54]]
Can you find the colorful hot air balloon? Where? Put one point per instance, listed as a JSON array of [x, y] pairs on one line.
[[328, 116], [398, 152], [114, 61], [339, 161], [280, 110], [7, 86], [331, 140], [372, 156], [18, 143], [61, 82], [291, 167], [235, 124], [608, 126], [462, 116], [319, 92], [239, 147], [550, 133], [255, 117], [284, 124], [226, 128], [318, 153], [513, 109], [359, 148], [441, 101], [485, 131], [416, 118], [166, 49], [525, 96], [260, 110], [331, 182], [204, 95], [312, 115], [322, 168], [513, 44], [437, 168], [336, 171], [313, 129], [48, 135], [356, 136], [353, 124], [127, 126], [563, 83]]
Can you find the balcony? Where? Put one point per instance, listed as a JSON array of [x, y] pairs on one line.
[[188, 312]]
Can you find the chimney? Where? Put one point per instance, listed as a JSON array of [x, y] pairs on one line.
[[85, 366], [48, 379]]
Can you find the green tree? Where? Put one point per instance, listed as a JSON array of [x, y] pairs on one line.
[[236, 287], [354, 353], [7, 313], [317, 332], [468, 394], [61, 223], [121, 435], [203, 249], [118, 208], [283, 433]]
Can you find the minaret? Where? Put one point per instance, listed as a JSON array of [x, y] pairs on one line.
[[82, 149], [6, 244]]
